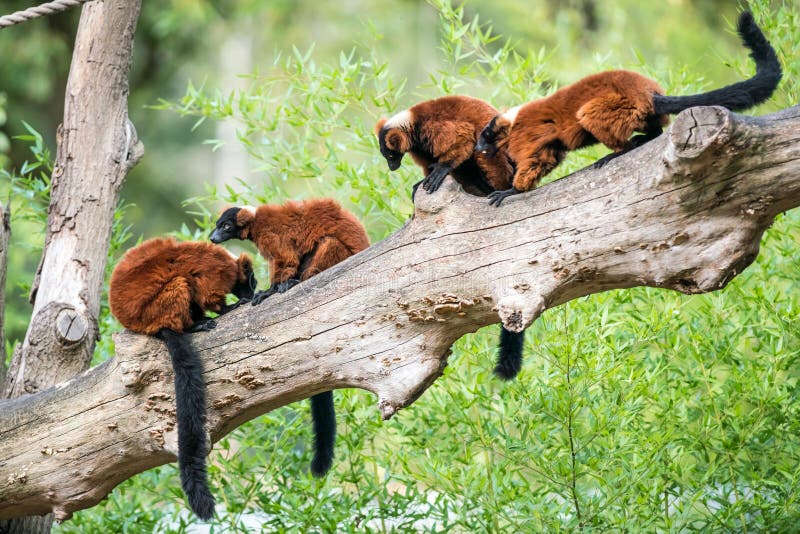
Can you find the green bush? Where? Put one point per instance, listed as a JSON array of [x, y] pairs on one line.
[[637, 410]]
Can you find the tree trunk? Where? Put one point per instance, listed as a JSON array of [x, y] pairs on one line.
[[97, 145], [684, 212]]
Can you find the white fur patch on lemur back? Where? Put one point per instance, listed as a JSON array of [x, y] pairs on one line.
[[250, 209], [511, 114], [400, 120]]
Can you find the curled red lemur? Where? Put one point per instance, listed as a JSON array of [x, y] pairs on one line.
[[607, 108], [440, 135], [163, 288], [300, 239]]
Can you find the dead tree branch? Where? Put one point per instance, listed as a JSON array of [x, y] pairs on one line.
[[685, 212]]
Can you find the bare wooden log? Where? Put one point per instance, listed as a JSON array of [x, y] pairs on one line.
[[684, 212], [97, 145]]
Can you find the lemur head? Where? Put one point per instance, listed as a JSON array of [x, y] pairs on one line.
[[246, 282], [234, 223], [495, 135], [394, 138]]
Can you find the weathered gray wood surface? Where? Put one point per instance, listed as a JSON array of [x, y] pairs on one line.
[[684, 212]]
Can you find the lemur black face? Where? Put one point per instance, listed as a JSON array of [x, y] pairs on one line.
[[226, 227], [393, 157], [487, 139]]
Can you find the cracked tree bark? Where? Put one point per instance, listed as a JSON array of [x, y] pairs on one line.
[[684, 212], [97, 146]]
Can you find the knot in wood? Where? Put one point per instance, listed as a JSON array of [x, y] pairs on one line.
[[696, 129], [131, 376], [71, 327]]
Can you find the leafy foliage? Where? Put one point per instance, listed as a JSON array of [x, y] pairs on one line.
[[637, 410], [27, 193]]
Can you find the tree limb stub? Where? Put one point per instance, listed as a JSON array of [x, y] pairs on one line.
[[684, 212]]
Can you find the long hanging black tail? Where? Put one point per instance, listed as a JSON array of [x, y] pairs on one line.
[[190, 401], [740, 95], [509, 355], [323, 416]]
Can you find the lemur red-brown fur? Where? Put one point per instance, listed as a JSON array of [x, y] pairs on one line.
[[159, 284], [608, 108], [440, 135], [299, 239]]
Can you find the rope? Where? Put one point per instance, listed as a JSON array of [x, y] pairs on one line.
[[39, 11]]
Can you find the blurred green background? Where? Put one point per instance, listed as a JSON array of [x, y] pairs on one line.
[[636, 410]]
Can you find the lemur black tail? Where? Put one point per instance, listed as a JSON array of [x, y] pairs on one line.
[[323, 416], [190, 401], [740, 95], [509, 356]]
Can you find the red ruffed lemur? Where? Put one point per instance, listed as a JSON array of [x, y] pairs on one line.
[[163, 288], [299, 239], [608, 108], [440, 135]]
